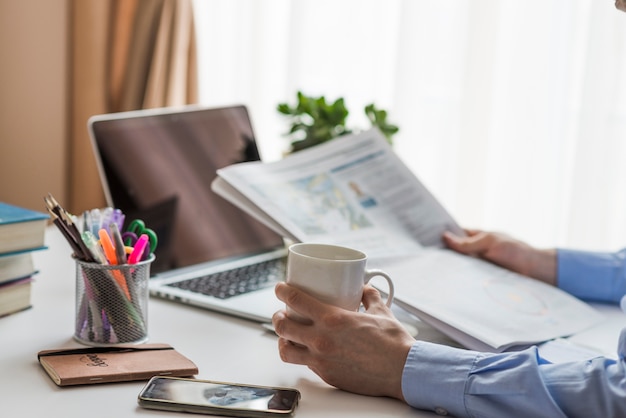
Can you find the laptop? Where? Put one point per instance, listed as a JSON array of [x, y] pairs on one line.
[[157, 165]]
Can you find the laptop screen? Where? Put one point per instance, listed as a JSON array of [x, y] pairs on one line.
[[158, 166]]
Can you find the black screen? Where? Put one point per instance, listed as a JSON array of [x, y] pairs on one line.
[[159, 167]]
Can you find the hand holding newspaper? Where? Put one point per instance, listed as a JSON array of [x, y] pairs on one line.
[[356, 192]]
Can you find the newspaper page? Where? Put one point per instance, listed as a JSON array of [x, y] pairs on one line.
[[352, 191], [483, 306], [355, 191]]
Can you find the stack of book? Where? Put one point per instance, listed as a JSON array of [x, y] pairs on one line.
[[21, 232]]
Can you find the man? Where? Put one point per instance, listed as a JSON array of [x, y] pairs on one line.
[[372, 354]]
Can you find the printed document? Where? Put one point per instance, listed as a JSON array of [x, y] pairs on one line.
[[356, 192]]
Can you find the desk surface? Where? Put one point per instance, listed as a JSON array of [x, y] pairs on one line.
[[223, 347]]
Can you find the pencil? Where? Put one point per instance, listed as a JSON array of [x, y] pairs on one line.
[[64, 222]]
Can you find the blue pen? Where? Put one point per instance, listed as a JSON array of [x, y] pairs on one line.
[[96, 221]]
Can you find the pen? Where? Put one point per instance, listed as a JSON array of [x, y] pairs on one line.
[[120, 251], [96, 221], [96, 319], [86, 220], [140, 247], [118, 217], [92, 244], [75, 232], [106, 217]]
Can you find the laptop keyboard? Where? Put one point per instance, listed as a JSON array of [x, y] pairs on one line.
[[229, 283]]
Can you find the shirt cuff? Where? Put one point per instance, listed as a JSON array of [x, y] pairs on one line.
[[435, 376], [592, 275]]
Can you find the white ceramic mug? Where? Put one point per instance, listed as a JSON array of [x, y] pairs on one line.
[[333, 274]]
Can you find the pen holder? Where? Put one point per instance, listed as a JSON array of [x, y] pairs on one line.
[[112, 303]]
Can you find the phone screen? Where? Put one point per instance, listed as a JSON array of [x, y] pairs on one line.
[[218, 395]]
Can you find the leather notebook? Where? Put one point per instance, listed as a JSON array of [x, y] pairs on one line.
[[121, 363]]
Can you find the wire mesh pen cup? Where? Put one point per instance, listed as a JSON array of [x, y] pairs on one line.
[[112, 303]]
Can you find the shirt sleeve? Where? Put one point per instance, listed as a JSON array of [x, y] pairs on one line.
[[466, 383], [593, 276]]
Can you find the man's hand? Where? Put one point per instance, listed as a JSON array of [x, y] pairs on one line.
[[506, 252], [360, 352]]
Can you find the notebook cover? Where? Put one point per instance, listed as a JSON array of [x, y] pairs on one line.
[[81, 366]]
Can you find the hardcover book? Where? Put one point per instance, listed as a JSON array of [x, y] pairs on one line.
[[80, 366], [16, 266], [15, 296], [20, 228]]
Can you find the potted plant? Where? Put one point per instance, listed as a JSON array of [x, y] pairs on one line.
[[314, 120]]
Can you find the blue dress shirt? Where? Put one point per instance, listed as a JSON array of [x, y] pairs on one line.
[[466, 383]]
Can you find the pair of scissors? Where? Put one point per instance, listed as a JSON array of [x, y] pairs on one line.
[[135, 229]]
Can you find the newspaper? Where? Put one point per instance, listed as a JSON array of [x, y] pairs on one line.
[[355, 191]]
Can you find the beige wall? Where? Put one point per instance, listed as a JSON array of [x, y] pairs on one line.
[[33, 100]]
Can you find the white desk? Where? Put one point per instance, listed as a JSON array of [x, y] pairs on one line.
[[224, 348]]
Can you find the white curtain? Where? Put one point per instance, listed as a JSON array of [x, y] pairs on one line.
[[513, 113]]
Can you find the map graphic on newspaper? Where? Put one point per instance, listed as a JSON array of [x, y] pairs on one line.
[[316, 204]]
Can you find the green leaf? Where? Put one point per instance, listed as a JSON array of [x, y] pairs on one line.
[[314, 120]]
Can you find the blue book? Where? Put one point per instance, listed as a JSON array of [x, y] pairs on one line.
[[21, 229]]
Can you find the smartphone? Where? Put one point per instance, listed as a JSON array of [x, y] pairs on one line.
[[218, 398]]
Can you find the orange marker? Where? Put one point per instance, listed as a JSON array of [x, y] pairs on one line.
[[107, 246], [109, 252]]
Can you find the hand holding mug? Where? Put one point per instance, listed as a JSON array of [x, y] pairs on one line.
[[333, 274]]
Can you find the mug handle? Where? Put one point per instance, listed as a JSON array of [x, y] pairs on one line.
[[369, 274]]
